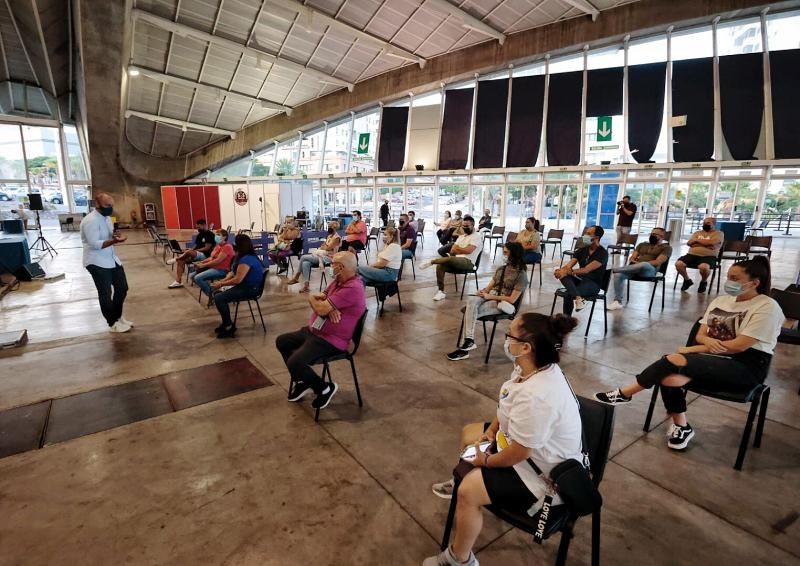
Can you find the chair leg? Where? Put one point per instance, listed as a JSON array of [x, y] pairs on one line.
[[589, 322], [399, 302], [485, 337], [451, 515], [250, 306], [326, 372], [460, 331], [663, 292], [355, 381], [455, 280], [261, 316], [540, 273], [596, 538], [605, 315], [652, 295], [236, 314], [563, 547], [553, 308], [413, 269], [649, 417], [762, 415], [491, 341], [748, 428], [463, 287]]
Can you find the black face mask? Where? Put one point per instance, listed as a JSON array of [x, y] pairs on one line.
[[467, 230], [707, 227], [654, 239], [402, 223]]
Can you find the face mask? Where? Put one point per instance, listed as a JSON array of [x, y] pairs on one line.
[[509, 355], [653, 239], [587, 240], [734, 288], [402, 223], [504, 260], [706, 227], [468, 230], [106, 210], [218, 239]]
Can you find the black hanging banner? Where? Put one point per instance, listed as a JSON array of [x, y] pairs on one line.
[[564, 119], [525, 126], [394, 127], [604, 92], [454, 146], [785, 78], [645, 108], [490, 124], [741, 92], [693, 97]]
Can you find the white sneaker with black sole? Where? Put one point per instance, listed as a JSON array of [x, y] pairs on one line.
[[175, 285], [444, 489], [468, 345], [681, 435], [613, 397], [458, 355]]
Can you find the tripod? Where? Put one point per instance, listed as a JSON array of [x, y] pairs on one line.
[[41, 244]]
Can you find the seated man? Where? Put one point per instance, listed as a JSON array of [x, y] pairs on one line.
[[217, 266], [335, 314], [408, 235], [203, 244], [387, 266], [704, 248], [645, 261], [412, 220], [462, 257], [485, 223], [355, 238], [587, 280]]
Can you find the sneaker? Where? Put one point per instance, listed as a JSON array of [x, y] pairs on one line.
[[444, 489], [458, 355], [324, 398], [175, 285], [579, 304], [171, 261], [126, 321], [702, 287], [119, 327], [229, 332], [615, 306], [469, 344], [446, 558], [681, 435], [686, 284], [670, 429], [424, 265], [219, 328], [298, 391], [440, 295], [613, 397]]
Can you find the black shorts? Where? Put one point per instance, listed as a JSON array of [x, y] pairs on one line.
[[694, 261], [506, 490]]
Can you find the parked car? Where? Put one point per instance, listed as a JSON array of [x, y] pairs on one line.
[[5, 197], [54, 198]]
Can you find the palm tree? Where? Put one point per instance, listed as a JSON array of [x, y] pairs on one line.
[[284, 167]]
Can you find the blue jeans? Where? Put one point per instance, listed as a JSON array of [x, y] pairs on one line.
[[204, 278], [532, 257], [308, 261], [577, 288], [377, 274], [622, 274], [238, 293], [407, 254]]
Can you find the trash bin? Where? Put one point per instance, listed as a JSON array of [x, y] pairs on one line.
[[675, 227]]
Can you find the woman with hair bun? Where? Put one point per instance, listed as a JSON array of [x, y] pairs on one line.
[[735, 342], [537, 417]]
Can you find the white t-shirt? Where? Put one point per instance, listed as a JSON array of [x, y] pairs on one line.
[[393, 255], [541, 413], [465, 241], [760, 318]]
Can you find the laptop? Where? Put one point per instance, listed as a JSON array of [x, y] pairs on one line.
[[176, 247]]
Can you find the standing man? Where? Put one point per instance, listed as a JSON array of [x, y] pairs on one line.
[[204, 243], [704, 247], [385, 212], [626, 210], [587, 279], [99, 238]]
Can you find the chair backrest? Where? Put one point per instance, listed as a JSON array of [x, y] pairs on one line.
[[763, 224], [263, 283], [692, 339], [374, 231], [598, 426], [252, 225], [296, 246], [788, 301], [555, 234], [760, 241], [736, 246], [413, 247], [498, 230], [630, 239], [359, 330], [228, 229], [478, 261], [512, 237], [662, 269], [607, 279], [420, 225], [70, 220]]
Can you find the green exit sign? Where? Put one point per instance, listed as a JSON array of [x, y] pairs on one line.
[[603, 128], [363, 143]]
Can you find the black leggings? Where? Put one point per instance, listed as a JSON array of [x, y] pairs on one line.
[[735, 373]]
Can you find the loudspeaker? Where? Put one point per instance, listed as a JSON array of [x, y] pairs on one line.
[[35, 200], [29, 271]]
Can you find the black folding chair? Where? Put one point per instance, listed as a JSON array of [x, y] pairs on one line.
[[625, 245], [512, 237], [659, 277], [373, 236], [756, 395], [466, 273], [493, 318], [384, 289], [496, 234], [598, 425], [601, 295], [732, 250], [413, 249], [553, 237], [255, 300], [421, 231], [348, 355]]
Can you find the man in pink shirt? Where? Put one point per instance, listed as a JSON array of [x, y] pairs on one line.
[[334, 316]]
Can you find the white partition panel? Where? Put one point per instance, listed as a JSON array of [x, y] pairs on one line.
[[241, 210], [271, 205], [226, 207]]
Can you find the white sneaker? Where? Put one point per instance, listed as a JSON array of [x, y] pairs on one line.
[[125, 321], [615, 306], [171, 261], [424, 265], [175, 285], [119, 327], [579, 304], [670, 429], [446, 558], [440, 295]]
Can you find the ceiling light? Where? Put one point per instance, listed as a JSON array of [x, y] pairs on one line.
[[133, 72]]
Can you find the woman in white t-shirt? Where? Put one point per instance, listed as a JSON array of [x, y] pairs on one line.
[[735, 342], [537, 417], [390, 258]]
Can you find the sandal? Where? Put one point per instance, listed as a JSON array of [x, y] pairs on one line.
[[305, 289]]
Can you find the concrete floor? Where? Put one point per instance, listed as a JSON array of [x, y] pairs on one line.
[[252, 479]]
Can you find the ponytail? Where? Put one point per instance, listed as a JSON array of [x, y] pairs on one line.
[[545, 334]]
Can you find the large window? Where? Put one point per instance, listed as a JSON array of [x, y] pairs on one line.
[[262, 163], [648, 50], [336, 147], [76, 168], [288, 153], [311, 153], [12, 162], [740, 36], [365, 142], [520, 204], [566, 64], [486, 196], [782, 31], [43, 152], [692, 44]]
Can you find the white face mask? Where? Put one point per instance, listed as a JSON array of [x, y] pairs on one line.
[[509, 355]]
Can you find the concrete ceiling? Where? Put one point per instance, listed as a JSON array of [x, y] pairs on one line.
[[214, 67]]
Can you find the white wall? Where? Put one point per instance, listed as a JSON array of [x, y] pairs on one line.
[[424, 137]]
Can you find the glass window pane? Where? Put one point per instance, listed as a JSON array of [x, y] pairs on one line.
[[287, 158], [236, 169], [566, 64], [648, 50], [336, 147], [452, 198], [42, 148], [13, 195], [610, 150], [486, 196], [368, 203], [692, 44], [310, 153], [12, 162], [520, 204], [420, 200], [365, 142], [529, 70], [76, 171], [80, 198], [740, 36], [429, 99], [782, 31], [606, 58], [262, 163]]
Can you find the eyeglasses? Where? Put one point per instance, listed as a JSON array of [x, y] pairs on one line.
[[515, 338]]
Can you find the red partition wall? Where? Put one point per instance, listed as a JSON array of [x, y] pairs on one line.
[[169, 205], [198, 204], [213, 216], [184, 208]]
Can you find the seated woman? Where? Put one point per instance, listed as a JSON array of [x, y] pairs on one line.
[[537, 417], [283, 244], [323, 254], [355, 235], [242, 283], [443, 226], [217, 266], [497, 297], [735, 342], [390, 258], [531, 241]]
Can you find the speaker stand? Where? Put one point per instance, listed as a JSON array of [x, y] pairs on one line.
[[41, 244]]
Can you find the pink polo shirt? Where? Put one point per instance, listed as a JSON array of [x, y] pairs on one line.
[[348, 298], [360, 234]]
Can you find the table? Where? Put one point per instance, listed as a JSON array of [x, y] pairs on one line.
[[14, 252], [13, 226]]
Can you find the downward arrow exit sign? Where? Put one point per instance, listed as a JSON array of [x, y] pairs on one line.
[[604, 128], [363, 143]]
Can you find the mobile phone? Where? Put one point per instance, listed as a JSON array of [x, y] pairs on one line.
[[469, 452]]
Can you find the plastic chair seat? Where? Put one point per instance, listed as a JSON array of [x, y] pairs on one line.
[[736, 397]]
